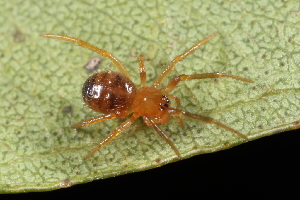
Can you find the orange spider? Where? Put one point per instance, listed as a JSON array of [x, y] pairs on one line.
[[115, 95]]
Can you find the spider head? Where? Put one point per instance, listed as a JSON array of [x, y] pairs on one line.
[[151, 102]]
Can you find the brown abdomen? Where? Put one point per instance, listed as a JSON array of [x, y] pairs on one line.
[[108, 92]]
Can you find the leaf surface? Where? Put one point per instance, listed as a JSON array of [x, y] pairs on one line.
[[41, 82]]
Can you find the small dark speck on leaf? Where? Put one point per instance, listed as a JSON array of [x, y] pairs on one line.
[[260, 126], [245, 68], [296, 123], [68, 110], [286, 114], [281, 64], [170, 45], [126, 166], [158, 160], [145, 151], [93, 64], [129, 154], [18, 36], [263, 56], [226, 144]]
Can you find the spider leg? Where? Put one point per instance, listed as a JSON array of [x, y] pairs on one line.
[[114, 134], [142, 70], [170, 87], [150, 122], [94, 120], [210, 120], [178, 58], [87, 45], [177, 100]]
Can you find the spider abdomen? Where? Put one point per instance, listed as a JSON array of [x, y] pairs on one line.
[[108, 92]]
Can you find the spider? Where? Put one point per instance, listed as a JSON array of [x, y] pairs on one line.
[[115, 95]]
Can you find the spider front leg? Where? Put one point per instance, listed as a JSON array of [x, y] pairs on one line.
[[142, 70], [114, 134], [170, 87], [177, 100], [87, 45], [178, 58], [151, 123]]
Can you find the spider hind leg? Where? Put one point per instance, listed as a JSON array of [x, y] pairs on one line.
[[207, 120], [114, 134]]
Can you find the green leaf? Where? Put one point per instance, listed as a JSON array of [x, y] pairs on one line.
[[41, 80]]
